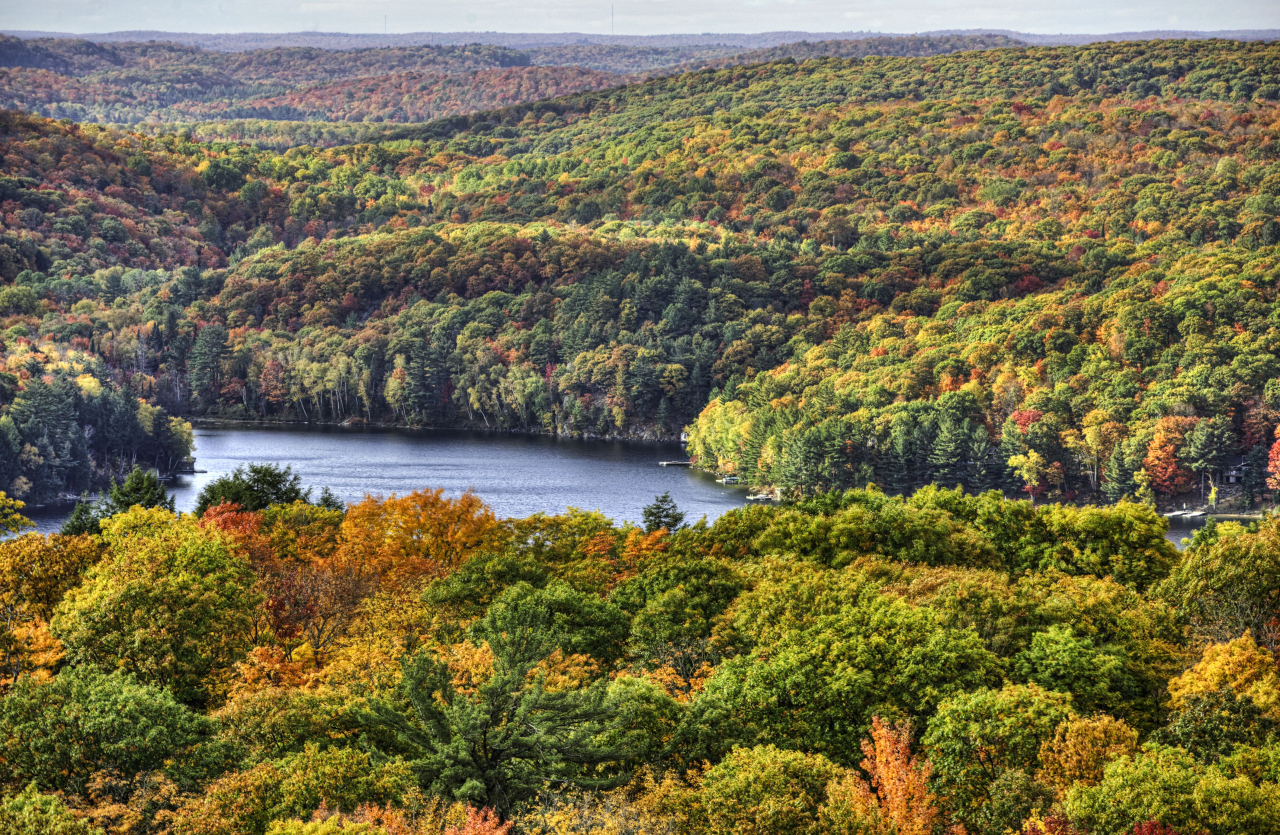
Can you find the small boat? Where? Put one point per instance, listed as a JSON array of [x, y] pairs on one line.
[[760, 497], [729, 479], [675, 463]]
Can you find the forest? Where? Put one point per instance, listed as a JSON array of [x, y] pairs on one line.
[[1049, 271], [853, 663], [974, 318]]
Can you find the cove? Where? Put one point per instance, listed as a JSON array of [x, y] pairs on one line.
[[516, 474]]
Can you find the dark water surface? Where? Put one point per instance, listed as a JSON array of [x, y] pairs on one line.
[[517, 475]]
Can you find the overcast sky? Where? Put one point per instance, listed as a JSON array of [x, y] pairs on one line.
[[635, 17]]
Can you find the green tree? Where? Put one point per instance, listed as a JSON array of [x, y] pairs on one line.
[[204, 363], [254, 487], [823, 668], [32, 813], [1012, 445], [296, 786], [58, 734], [975, 738], [82, 520], [1060, 660], [1206, 449], [766, 789], [141, 488], [170, 603], [1166, 785], [980, 477], [1118, 476], [662, 513], [949, 452], [1212, 725], [499, 745]]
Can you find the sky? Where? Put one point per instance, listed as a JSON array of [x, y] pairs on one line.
[[635, 17]]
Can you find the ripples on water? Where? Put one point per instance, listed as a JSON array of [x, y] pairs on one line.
[[517, 475]]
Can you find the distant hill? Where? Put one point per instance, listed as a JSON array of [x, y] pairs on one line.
[[138, 82], [415, 96], [243, 41], [1032, 268], [883, 47]]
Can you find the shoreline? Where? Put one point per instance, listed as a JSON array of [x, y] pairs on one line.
[[361, 423]]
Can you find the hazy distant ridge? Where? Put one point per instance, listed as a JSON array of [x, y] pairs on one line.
[[524, 40]]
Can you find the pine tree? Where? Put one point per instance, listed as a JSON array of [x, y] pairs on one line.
[[1011, 445], [1254, 475], [418, 388], [948, 453], [140, 488], [501, 742], [1118, 476], [1206, 449], [662, 513], [980, 476], [204, 367], [83, 520], [899, 459]]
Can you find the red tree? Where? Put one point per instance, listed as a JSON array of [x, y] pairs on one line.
[[1273, 466], [1168, 475]]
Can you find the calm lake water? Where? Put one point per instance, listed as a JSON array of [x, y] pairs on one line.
[[517, 475]]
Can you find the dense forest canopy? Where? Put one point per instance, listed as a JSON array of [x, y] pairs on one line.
[[896, 291], [1035, 269], [853, 663]]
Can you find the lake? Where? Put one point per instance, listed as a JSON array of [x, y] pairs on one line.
[[517, 475]]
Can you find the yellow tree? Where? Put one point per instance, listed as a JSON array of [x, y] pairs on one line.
[[1080, 749], [423, 535], [1242, 665], [35, 572], [897, 801]]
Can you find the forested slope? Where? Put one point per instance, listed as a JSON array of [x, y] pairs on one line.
[[1049, 280]]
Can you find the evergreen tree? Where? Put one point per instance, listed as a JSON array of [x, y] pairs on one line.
[[204, 366], [1254, 473], [83, 519], [1206, 449], [662, 513], [1118, 476], [900, 458], [498, 745], [140, 487], [255, 487], [980, 476], [948, 453], [1011, 445]]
